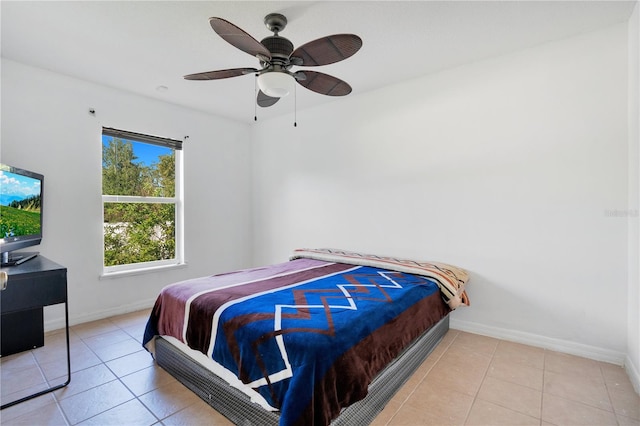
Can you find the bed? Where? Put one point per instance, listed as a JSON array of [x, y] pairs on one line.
[[328, 336]]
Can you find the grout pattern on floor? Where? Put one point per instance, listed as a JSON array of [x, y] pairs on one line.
[[467, 380]]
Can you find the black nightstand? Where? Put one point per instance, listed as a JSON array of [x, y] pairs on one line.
[[30, 287]]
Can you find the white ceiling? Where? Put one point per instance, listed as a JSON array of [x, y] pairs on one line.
[[137, 46]]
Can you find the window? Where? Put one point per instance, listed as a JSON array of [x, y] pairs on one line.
[[141, 200]]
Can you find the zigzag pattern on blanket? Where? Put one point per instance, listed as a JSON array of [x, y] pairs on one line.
[[450, 279]]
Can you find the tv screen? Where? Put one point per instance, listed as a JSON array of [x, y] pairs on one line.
[[20, 210]]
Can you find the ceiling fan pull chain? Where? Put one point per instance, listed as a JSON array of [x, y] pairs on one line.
[[255, 93], [295, 106]]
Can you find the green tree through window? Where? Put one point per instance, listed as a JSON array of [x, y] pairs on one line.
[[140, 206]]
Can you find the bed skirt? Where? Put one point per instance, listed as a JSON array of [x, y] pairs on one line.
[[237, 407]]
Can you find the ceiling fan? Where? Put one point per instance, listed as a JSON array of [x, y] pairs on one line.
[[277, 56]]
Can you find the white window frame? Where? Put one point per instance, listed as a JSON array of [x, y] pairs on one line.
[[177, 200]]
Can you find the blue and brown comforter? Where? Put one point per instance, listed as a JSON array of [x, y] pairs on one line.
[[308, 335]]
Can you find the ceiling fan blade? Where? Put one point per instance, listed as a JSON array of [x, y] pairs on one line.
[[324, 84], [327, 50], [238, 37], [265, 100], [216, 75]]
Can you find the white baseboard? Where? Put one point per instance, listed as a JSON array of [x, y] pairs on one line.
[[57, 323], [573, 348], [633, 374]]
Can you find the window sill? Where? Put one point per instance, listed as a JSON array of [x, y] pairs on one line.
[[141, 271]]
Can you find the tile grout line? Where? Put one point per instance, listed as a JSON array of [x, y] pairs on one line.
[[136, 397], [59, 401], [544, 373], [117, 377], [55, 400], [606, 386], [425, 374], [475, 396], [53, 394]]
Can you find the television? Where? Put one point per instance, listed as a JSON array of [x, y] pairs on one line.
[[21, 194]]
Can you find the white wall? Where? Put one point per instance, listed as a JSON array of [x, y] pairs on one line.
[[507, 167], [46, 127], [632, 363]]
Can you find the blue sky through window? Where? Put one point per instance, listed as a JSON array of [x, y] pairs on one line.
[[147, 153]]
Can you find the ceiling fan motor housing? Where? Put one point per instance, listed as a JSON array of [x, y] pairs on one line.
[[279, 47]]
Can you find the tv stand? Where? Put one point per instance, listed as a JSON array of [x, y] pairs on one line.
[[25, 290], [16, 258]]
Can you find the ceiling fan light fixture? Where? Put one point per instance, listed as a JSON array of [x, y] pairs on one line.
[[276, 84]]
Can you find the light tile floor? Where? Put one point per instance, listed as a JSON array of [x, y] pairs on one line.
[[484, 381]]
